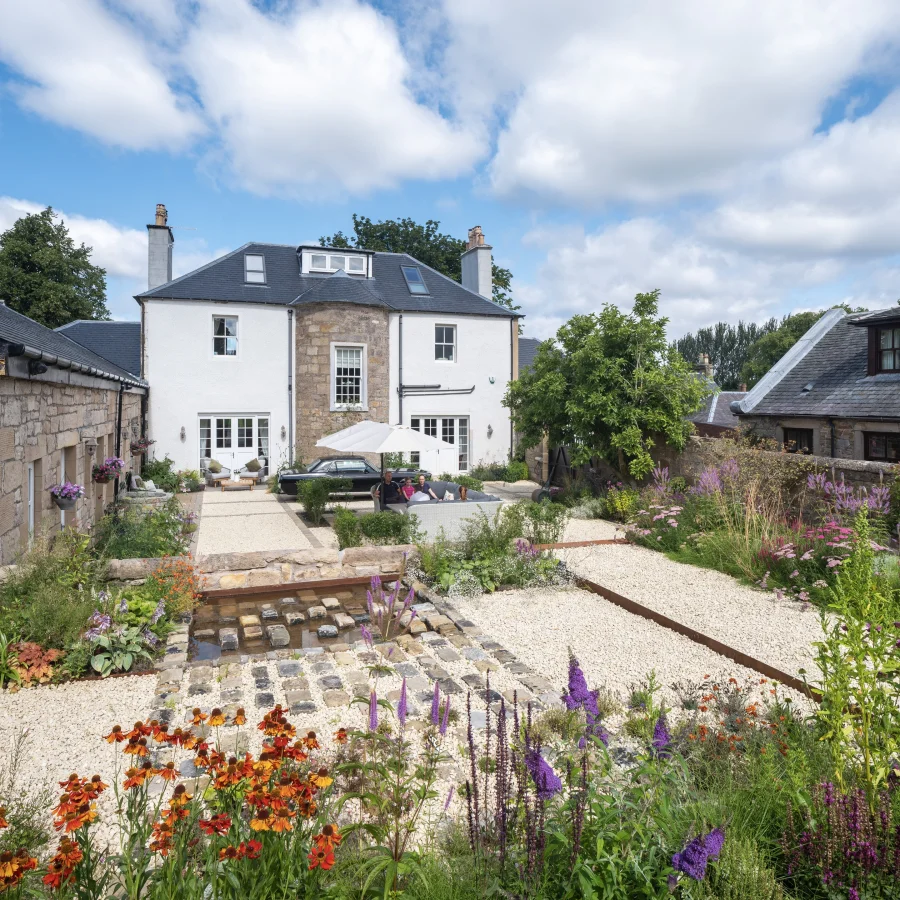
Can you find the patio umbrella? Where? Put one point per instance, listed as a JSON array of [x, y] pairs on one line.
[[379, 437]]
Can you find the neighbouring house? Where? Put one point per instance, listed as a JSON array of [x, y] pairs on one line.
[[715, 417], [62, 409], [118, 342], [263, 351], [836, 392]]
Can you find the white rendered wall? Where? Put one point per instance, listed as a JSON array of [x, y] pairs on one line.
[[482, 353], [187, 381]]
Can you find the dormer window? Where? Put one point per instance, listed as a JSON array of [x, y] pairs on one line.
[[414, 280], [333, 262], [254, 268], [889, 349]]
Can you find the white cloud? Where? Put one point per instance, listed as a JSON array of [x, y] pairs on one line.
[[317, 100], [653, 100]]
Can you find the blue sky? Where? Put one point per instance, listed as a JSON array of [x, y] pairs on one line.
[[742, 158]]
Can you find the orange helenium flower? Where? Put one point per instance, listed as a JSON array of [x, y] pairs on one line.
[[283, 820], [330, 837], [199, 716], [240, 717], [321, 857], [340, 736], [168, 772], [310, 741], [262, 819], [116, 736], [216, 718], [218, 824], [320, 779]]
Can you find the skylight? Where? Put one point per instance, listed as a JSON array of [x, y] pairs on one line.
[[414, 280], [254, 268]]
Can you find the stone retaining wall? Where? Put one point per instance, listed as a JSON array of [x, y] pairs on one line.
[[228, 571]]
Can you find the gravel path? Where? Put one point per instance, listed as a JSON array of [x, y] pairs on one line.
[[239, 521], [65, 725], [779, 632], [591, 530], [615, 648]]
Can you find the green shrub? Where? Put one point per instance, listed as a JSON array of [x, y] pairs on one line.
[[190, 480], [741, 872], [141, 532], [315, 493], [590, 508], [389, 528], [347, 528], [25, 807], [489, 471], [516, 471], [162, 473], [537, 523], [473, 484], [622, 503]]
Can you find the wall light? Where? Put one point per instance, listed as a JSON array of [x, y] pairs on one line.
[[283, 432], [90, 444], [490, 430], [183, 433]]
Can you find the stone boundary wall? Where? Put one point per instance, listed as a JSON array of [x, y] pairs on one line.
[[228, 571], [703, 452]]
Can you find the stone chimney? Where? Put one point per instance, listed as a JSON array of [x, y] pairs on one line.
[[159, 250], [476, 264], [703, 366]]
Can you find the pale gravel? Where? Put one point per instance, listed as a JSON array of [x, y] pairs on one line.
[[615, 648], [65, 725], [592, 530], [778, 632], [226, 526]]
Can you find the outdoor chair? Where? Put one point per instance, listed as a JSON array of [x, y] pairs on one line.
[[213, 478]]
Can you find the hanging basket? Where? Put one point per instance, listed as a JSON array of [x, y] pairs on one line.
[[138, 451], [64, 502], [102, 479]]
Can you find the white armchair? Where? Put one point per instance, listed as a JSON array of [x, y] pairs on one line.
[[255, 474], [213, 477]]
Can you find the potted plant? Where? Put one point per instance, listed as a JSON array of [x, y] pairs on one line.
[[65, 495], [189, 523], [108, 470], [141, 446]]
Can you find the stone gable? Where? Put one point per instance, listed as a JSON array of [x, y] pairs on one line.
[[317, 328]]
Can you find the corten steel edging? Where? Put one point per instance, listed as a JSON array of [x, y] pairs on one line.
[[568, 545], [698, 638], [293, 586]]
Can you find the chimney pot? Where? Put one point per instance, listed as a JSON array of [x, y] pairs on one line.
[[743, 388], [161, 215], [476, 238], [159, 249], [477, 266]]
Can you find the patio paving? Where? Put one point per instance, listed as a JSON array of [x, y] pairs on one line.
[[237, 521]]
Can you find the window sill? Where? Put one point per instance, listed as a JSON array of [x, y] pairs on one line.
[[348, 408]]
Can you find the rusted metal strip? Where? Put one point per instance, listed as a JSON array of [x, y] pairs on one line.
[[294, 586], [698, 638], [568, 545]]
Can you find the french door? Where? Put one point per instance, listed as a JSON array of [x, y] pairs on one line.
[[234, 440], [452, 429]]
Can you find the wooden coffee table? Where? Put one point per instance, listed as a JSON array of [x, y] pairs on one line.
[[242, 484]]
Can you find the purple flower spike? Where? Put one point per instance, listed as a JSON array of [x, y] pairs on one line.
[[373, 711], [693, 859], [714, 842], [661, 738], [449, 798], [366, 636], [546, 781], [369, 604], [401, 706], [446, 719], [435, 705]]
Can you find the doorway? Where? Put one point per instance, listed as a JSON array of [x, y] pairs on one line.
[[234, 440]]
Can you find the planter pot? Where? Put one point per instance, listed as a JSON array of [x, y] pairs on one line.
[[64, 502], [190, 529], [101, 479], [137, 451]]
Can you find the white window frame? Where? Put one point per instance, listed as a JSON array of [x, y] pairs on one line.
[[248, 272], [433, 424], [363, 405], [333, 254], [444, 344], [237, 338]]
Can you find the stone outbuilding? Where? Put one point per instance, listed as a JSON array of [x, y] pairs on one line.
[[62, 408]]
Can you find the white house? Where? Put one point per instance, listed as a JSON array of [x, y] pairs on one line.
[[271, 347]]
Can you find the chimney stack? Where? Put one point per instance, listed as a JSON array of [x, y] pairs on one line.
[[477, 264], [703, 366], [159, 249]]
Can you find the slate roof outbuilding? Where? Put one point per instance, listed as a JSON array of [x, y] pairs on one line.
[[716, 410], [223, 279], [119, 342], [18, 329], [831, 381]]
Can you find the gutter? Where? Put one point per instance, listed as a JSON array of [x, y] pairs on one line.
[[290, 387], [62, 362], [787, 363]]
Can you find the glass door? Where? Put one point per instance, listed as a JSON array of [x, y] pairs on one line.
[[224, 451]]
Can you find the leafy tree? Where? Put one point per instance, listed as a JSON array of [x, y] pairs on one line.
[[727, 346], [608, 385], [769, 348], [44, 276], [441, 252]]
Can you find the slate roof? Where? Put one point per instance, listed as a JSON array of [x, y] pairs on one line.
[[18, 329], [716, 410], [830, 379], [223, 279], [119, 342], [878, 316], [528, 348]]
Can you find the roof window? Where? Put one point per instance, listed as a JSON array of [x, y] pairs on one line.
[[414, 280], [254, 268]]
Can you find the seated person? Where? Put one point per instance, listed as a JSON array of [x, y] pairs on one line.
[[408, 490], [463, 494], [425, 488], [389, 491]]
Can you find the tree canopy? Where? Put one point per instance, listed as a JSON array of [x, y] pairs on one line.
[[727, 346], [44, 276], [441, 252], [609, 385], [766, 351]]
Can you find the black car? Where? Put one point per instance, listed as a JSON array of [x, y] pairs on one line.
[[363, 475]]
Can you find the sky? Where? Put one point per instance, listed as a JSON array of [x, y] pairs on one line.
[[741, 157]]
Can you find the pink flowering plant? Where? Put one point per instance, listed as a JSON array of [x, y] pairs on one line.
[[67, 491], [110, 468]]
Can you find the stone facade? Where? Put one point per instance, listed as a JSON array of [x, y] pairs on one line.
[[45, 423], [227, 571], [318, 327]]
